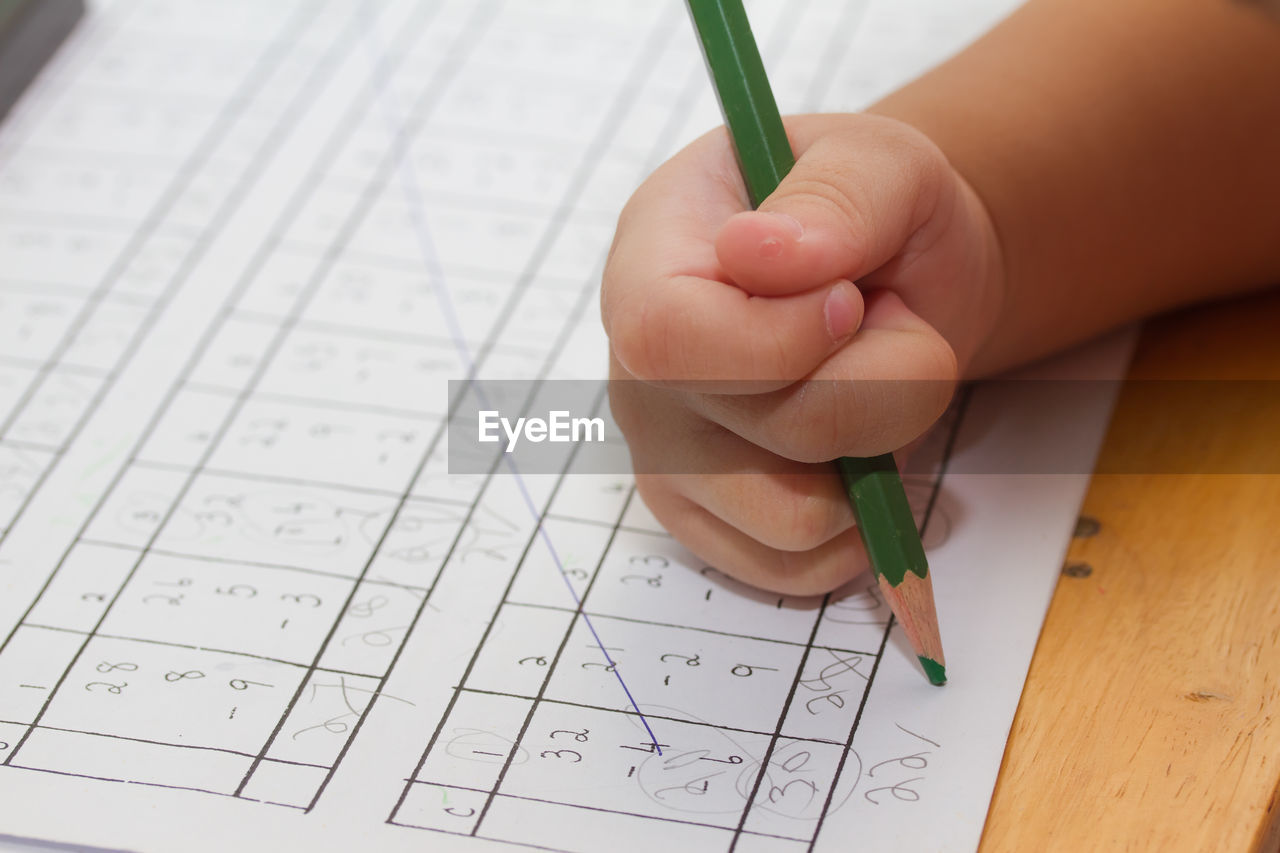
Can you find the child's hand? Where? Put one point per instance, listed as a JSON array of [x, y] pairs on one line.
[[754, 342]]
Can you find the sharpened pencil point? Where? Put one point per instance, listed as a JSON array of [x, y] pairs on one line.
[[937, 672]]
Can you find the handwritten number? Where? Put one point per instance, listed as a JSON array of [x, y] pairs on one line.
[[645, 747], [242, 684], [173, 675], [695, 660], [580, 737], [834, 699], [899, 791], [105, 666], [363, 610], [743, 670], [795, 763], [106, 686], [692, 787], [378, 638], [911, 762], [778, 792], [178, 582], [684, 759], [918, 737], [654, 581]]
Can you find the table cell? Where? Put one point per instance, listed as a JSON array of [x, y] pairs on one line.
[[726, 680], [235, 354], [59, 250], [120, 760], [560, 563], [32, 324], [248, 520], [553, 826], [476, 740], [136, 507], [827, 696], [355, 370], [284, 784], [248, 609], [440, 807], [417, 543], [31, 664], [83, 586], [800, 786], [54, 410], [322, 444], [173, 694], [372, 628], [654, 578], [21, 469], [323, 718], [855, 618], [187, 427], [517, 654], [105, 336]]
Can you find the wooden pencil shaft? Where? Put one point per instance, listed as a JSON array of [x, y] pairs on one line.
[[746, 99]]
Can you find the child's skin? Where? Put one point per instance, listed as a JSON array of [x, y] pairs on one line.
[[1087, 163]]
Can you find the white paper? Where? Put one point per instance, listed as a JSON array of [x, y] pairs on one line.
[[243, 246]]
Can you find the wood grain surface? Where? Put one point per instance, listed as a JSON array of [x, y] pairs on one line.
[[1151, 716]]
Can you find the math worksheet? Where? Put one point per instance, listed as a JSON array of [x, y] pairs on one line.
[[245, 602]]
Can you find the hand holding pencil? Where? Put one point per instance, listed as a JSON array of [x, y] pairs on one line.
[[773, 362]]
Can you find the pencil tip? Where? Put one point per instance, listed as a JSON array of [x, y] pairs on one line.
[[937, 672]]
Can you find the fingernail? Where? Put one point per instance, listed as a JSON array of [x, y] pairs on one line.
[[792, 224], [841, 311]]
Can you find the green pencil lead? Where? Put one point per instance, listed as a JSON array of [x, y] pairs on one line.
[[937, 672]]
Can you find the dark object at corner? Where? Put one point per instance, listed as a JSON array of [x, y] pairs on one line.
[[30, 33]]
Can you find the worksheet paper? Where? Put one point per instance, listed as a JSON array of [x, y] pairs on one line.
[[243, 602]]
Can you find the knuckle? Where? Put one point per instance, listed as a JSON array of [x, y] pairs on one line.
[[940, 380], [807, 522], [814, 425], [770, 356], [799, 576], [946, 365], [802, 575], [923, 166], [637, 336], [626, 408], [656, 491], [835, 192]]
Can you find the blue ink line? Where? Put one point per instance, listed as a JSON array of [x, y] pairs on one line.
[[413, 200]]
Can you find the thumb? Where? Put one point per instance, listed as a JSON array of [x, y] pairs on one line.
[[855, 198]]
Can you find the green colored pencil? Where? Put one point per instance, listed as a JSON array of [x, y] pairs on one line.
[[874, 486]]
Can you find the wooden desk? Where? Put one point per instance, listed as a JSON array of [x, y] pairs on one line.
[[1151, 716]]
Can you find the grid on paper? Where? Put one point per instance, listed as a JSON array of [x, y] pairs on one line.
[[236, 595]]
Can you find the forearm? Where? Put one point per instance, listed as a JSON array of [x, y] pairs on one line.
[[1127, 151]]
